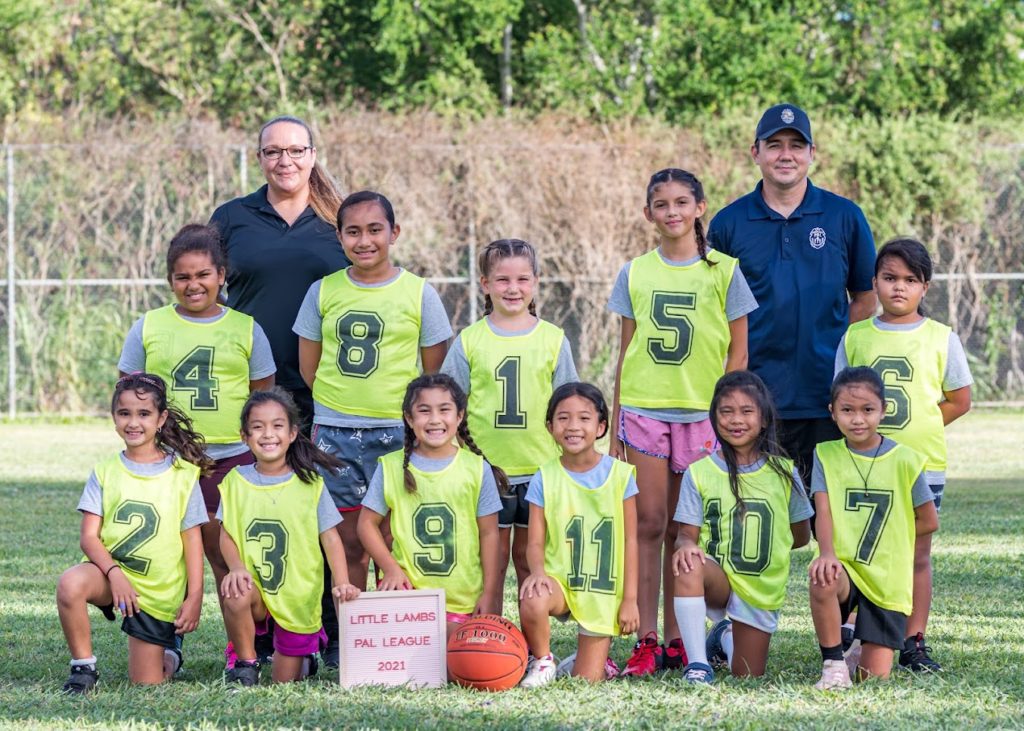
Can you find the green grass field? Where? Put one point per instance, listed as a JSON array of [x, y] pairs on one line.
[[977, 628]]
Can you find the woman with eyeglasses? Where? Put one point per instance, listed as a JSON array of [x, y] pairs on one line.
[[279, 240]]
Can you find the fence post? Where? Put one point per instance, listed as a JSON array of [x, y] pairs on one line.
[[243, 169], [12, 408]]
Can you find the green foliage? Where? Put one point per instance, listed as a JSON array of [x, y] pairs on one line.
[[681, 59]]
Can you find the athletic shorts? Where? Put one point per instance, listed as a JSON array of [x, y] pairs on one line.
[[937, 491], [681, 444], [145, 627], [799, 437], [740, 610], [358, 450], [514, 508], [293, 644], [210, 485], [456, 617], [874, 624]]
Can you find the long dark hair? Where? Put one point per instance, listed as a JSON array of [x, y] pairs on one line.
[[693, 183], [587, 391], [445, 382], [506, 249], [176, 437], [303, 457], [767, 443], [861, 376]]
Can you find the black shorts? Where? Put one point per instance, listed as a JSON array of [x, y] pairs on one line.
[[799, 437], [149, 629], [874, 624], [210, 484], [514, 508]]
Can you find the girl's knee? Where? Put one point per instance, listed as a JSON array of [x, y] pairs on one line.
[[651, 529], [689, 584]]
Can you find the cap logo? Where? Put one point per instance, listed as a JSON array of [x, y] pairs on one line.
[[817, 237], [788, 116]]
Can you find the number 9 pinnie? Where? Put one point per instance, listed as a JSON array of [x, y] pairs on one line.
[[684, 323]]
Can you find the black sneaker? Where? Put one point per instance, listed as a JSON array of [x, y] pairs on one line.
[[265, 646], [846, 633], [309, 667], [244, 674], [83, 679], [331, 654], [915, 656]]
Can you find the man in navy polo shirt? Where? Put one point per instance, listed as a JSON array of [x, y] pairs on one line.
[[809, 257]]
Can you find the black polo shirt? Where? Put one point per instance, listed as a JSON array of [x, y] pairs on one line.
[[270, 267]]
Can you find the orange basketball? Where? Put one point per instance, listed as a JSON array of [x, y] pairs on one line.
[[487, 653]]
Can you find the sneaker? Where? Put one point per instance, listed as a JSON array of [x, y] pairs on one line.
[[846, 632], [915, 656], [265, 645], [309, 667], [834, 676], [645, 657], [539, 671], [851, 655], [673, 655], [565, 668], [697, 673], [230, 658], [83, 679], [244, 674], [331, 654], [713, 644], [174, 661]]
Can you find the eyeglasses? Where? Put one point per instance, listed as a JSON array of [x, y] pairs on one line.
[[295, 153]]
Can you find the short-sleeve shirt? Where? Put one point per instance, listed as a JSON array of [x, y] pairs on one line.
[[690, 508], [488, 503], [261, 365], [270, 267], [799, 269], [91, 500], [738, 302], [919, 494], [592, 479], [327, 516], [435, 327]]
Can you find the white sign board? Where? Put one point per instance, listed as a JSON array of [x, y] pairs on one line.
[[394, 638]]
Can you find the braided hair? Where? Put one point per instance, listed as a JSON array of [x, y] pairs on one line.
[[506, 249], [302, 457], [447, 383], [693, 183], [176, 437], [767, 443]]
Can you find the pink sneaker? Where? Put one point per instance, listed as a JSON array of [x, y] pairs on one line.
[[230, 658]]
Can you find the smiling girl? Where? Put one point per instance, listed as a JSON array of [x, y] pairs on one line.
[[442, 497], [211, 357], [684, 323], [276, 517], [508, 363]]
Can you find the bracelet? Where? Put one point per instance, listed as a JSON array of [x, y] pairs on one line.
[[112, 567]]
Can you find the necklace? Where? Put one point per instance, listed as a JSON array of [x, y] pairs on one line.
[[864, 478], [266, 481]]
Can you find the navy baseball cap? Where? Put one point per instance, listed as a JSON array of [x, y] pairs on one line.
[[784, 116]]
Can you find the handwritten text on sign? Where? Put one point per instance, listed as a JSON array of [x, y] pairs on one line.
[[394, 638]]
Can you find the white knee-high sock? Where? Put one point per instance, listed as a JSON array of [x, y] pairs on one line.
[[727, 644], [690, 617]]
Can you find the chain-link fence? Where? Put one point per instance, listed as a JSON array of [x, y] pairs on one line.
[[87, 226]]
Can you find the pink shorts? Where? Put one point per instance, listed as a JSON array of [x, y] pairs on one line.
[[456, 617], [681, 444], [292, 644]]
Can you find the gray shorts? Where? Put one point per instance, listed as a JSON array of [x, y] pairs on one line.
[[358, 449]]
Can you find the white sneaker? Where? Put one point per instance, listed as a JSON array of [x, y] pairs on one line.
[[566, 667], [539, 671], [852, 658], [834, 676]]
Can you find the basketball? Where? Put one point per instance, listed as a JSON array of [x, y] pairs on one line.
[[487, 653]]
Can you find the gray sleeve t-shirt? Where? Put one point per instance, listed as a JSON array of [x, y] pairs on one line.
[[591, 480], [327, 516], [920, 493], [91, 500], [488, 503]]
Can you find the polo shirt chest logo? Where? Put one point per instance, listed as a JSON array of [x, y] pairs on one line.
[[817, 237]]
